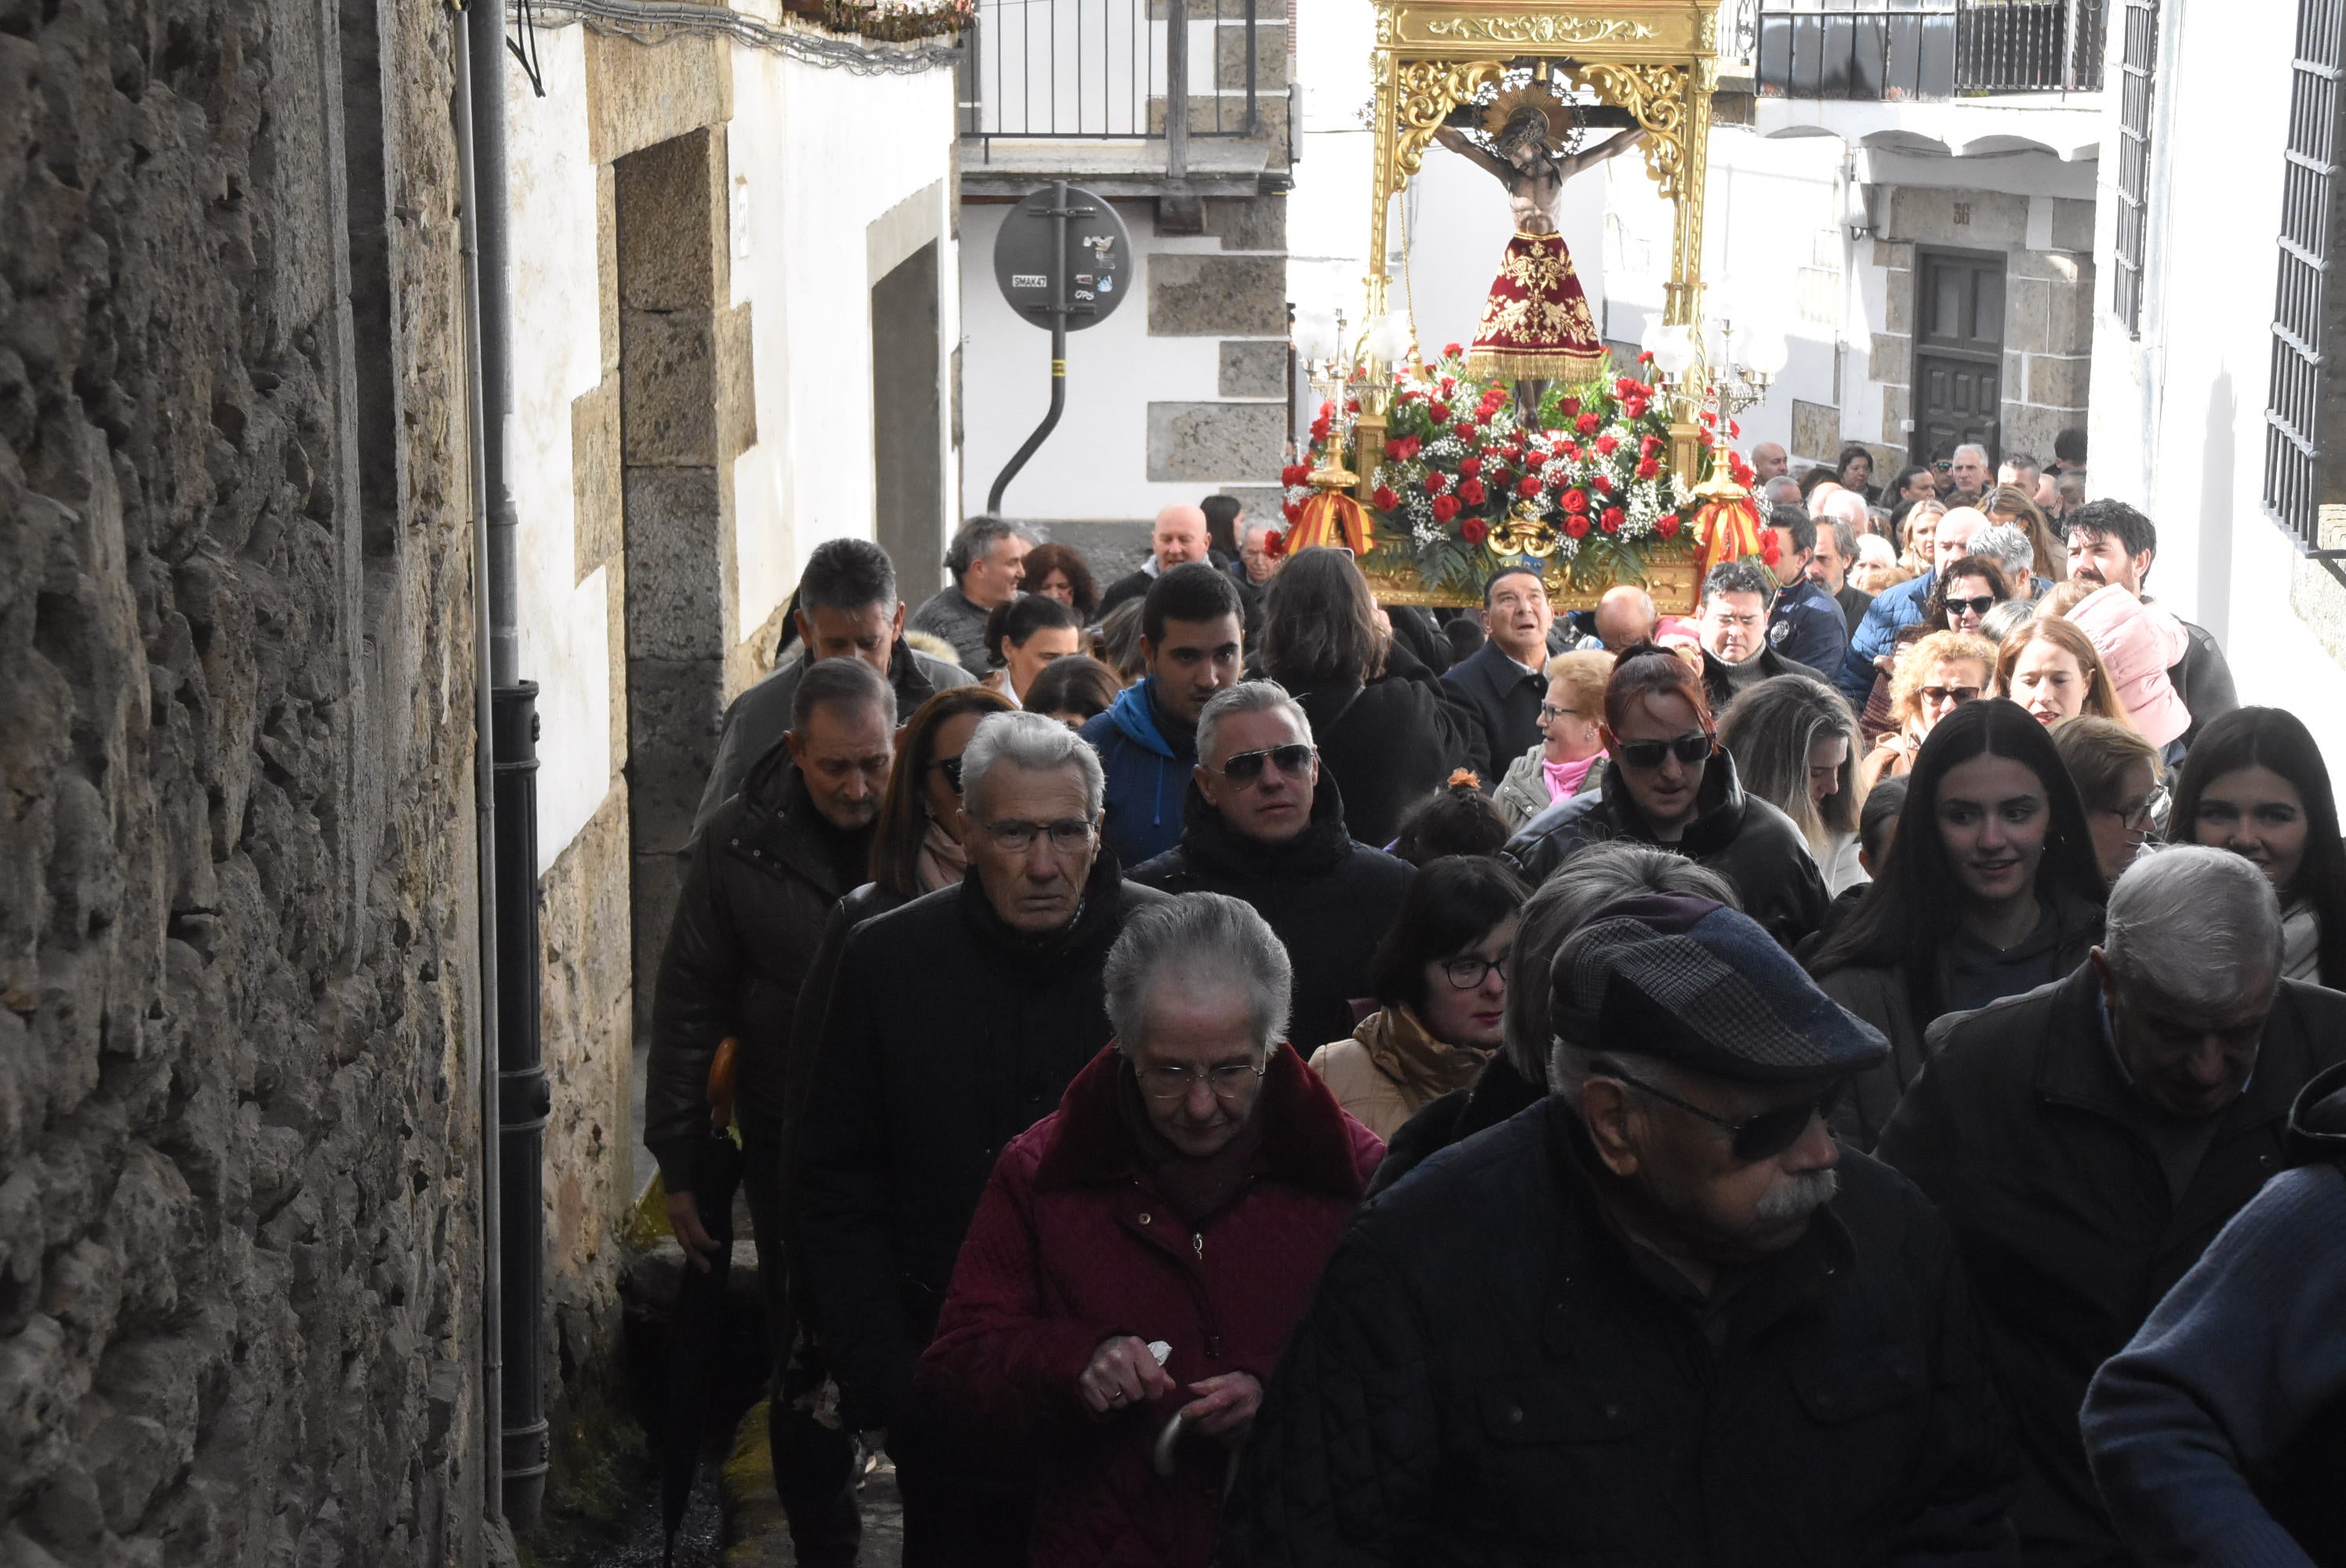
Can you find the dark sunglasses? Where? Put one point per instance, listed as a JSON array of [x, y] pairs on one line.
[[1959, 695], [1645, 754], [1293, 761], [1978, 607], [951, 768], [1758, 1138]]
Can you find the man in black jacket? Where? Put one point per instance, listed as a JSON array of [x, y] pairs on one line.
[[1264, 824], [772, 861], [2111, 543], [1658, 1318], [845, 607], [2087, 1140], [1741, 636], [1671, 784], [1501, 683], [955, 1023]]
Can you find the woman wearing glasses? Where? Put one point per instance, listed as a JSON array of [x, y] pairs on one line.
[[1570, 756], [2117, 772], [1990, 889], [2255, 784], [1933, 677], [1669, 783], [1441, 987], [1966, 593]]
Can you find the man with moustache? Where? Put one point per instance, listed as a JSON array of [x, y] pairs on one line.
[[1658, 1318], [2087, 1141], [2111, 542]]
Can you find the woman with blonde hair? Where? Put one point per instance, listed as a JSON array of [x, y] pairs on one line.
[[1933, 677], [1570, 756], [2049, 667], [1919, 529], [1795, 747], [2117, 772], [2011, 504]]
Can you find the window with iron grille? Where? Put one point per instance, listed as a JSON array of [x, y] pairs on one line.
[[2136, 66], [2300, 487]]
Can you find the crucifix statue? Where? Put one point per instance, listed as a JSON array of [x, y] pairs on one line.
[[1535, 327]]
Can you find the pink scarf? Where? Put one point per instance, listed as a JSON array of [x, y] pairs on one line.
[[1564, 777], [941, 859]]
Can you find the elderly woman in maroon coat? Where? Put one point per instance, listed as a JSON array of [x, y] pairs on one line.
[[1142, 1254]]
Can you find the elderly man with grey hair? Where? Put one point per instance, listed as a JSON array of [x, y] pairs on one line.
[[987, 564], [1661, 1316], [1262, 822], [953, 1024], [1142, 1254], [2008, 545], [2088, 1139]]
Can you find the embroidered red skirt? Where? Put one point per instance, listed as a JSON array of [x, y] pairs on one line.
[[1536, 325]]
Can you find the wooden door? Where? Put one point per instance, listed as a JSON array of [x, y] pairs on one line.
[[1958, 353]]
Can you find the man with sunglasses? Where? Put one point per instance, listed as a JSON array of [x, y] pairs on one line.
[[1263, 823], [953, 1024], [1659, 1318]]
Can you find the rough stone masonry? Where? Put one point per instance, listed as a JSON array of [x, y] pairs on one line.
[[239, 1254]]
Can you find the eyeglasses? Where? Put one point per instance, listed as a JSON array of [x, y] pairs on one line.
[[1169, 1082], [1649, 754], [1069, 834], [1958, 695], [1466, 974], [1550, 713], [1758, 1138], [1979, 606], [951, 768], [1293, 761], [2141, 816]]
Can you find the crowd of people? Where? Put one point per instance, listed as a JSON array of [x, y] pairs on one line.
[[1231, 1072]]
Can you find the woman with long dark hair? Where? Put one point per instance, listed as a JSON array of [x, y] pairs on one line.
[[1853, 471], [2254, 783], [1440, 979], [1023, 636], [1060, 571], [1991, 888], [916, 849]]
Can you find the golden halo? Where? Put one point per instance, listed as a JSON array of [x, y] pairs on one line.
[[1534, 94]]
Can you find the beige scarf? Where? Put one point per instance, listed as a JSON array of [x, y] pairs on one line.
[[1421, 1068], [942, 860]]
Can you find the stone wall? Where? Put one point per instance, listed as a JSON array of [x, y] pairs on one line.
[[240, 1313]]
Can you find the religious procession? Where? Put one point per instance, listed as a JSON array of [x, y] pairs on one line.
[[1612, 843]]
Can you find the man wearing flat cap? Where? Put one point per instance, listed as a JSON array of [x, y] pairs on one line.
[[1660, 1317]]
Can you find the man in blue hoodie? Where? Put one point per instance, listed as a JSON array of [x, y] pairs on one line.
[[1191, 637]]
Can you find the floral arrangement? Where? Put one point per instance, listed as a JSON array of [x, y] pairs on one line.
[[1465, 486]]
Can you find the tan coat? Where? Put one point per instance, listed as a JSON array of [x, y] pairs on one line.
[[1391, 1068]]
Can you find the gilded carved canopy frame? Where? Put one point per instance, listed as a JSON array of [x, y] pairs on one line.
[[1656, 59]]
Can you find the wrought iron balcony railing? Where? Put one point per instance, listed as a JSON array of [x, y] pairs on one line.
[[1111, 69], [1923, 50]]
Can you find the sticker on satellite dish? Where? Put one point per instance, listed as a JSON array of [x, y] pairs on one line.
[[1084, 278], [1101, 242], [1083, 296], [1107, 284], [1030, 281]]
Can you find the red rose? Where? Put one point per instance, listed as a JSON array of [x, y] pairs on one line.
[[1649, 446], [1623, 386], [1733, 428], [1613, 519], [1292, 511], [1445, 507], [1648, 468], [1588, 424], [1274, 543], [1501, 477], [1439, 413], [1576, 526], [1436, 481], [1448, 386], [1635, 408], [1709, 418], [1574, 501], [1470, 467], [1571, 406], [1604, 446], [1463, 431], [1319, 429], [1470, 491], [1667, 526], [1351, 405], [1474, 531], [1327, 410], [1449, 351], [1770, 550], [1702, 439], [1645, 359], [1384, 500], [1529, 487]]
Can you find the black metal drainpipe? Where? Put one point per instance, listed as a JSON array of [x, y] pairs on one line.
[[516, 1268]]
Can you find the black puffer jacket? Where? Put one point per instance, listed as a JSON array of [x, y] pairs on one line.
[[1489, 1376], [948, 1034], [1329, 899], [1388, 744], [747, 926], [1742, 838], [1499, 1093]]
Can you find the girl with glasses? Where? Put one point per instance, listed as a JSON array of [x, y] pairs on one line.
[[1667, 783], [1933, 677], [2255, 784], [2116, 773], [1440, 985], [1990, 889]]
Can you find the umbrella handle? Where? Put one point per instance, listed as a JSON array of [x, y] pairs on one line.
[[1166, 1442], [723, 1068]]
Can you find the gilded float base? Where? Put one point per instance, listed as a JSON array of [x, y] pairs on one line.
[[1675, 581]]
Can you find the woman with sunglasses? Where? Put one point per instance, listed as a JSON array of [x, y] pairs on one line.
[[1934, 676], [1441, 986], [1990, 889], [915, 849], [2255, 784], [1965, 593], [2117, 772], [1669, 783]]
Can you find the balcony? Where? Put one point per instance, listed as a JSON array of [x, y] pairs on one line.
[[1085, 89], [1929, 53]]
